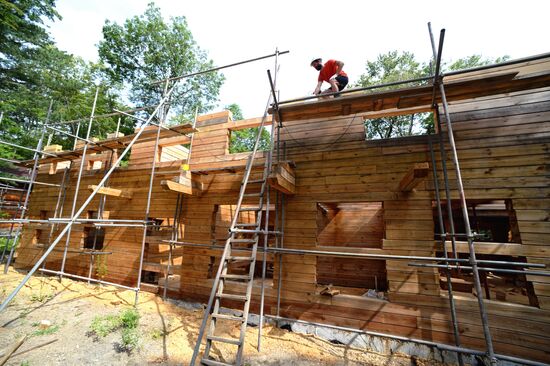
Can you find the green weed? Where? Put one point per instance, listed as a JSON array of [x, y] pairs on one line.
[[129, 318], [49, 330], [41, 297], [130, 338], [126, 320], [103, 325]]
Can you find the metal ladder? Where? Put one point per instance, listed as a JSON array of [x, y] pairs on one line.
[[239, 233]]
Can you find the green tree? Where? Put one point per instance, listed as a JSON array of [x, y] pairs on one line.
[[67, 81], [397, 66], [21, 35], [146, 49], [243, 140], [236, 112]]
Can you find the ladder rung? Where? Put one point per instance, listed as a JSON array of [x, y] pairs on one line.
[[228, 317], [250, 209], [243, 240], [248, 231], [208, 362], [224, 340], [245, 224], [257, 194], [235, 277], [236, 258], [256, 181], [232, 297]]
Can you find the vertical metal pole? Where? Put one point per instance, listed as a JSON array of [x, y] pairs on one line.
[[149, 194], [450, 214], [59, 204], [117, 127], [76, 135], [460, 187], [192, 137], [100, 210], [226, 250], [437, 60], [34, 172], [72, 220], [174, 238], [444, 244], [12, 225], [77, 187], [268, 165], [281, 244], [50, 137]]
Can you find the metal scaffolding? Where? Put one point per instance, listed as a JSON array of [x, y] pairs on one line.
[[447, 262]]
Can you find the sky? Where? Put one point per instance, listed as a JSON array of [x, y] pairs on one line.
[[350, 31]]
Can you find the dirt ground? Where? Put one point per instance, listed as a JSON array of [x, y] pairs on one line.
[[167, 331]]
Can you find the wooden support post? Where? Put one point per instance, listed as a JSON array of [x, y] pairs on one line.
[[112, 192], [414, 176]]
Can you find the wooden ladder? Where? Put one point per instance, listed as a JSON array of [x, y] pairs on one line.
[[240, 233]]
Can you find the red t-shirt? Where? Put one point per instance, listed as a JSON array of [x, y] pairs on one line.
[[329, 69]]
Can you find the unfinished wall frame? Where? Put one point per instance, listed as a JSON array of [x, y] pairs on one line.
[[414, 272]]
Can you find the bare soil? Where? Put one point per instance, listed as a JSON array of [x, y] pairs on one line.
[[167, 331]]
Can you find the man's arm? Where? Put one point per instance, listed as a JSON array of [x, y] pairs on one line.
[[339, 67], [318, 88]]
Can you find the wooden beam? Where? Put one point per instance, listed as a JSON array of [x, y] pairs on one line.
[[282, 178], [414, 176], [179, 187], [112, 192]]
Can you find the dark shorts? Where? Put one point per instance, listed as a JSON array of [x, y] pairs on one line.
[[342, 82]]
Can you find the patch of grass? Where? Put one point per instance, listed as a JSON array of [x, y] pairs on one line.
[[103, 325], [126, 320], [129, 318], [25, 363], [130, 338], [40, 297], [49, 330]]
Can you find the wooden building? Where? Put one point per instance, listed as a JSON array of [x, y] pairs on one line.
[[344, 194]]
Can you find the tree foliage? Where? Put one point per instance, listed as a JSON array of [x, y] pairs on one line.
[[36, 73], [21, 35], [243, 140], [398, 66], [146, 49]]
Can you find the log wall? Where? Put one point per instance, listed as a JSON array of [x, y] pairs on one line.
[[502, 144]]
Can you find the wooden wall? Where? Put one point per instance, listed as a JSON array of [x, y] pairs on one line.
[[502, 145]]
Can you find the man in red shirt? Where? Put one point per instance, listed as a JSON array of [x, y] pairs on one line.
[[332, 73]]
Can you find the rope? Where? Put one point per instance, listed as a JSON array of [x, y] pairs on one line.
[[330, 143]]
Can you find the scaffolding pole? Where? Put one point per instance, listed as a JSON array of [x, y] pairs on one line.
[[37, 150], [441, 346], [268, 163], [79, 212], [473, 263], [324, 253], [78, 179], [162, 118], [452, 305], [34, 173]]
